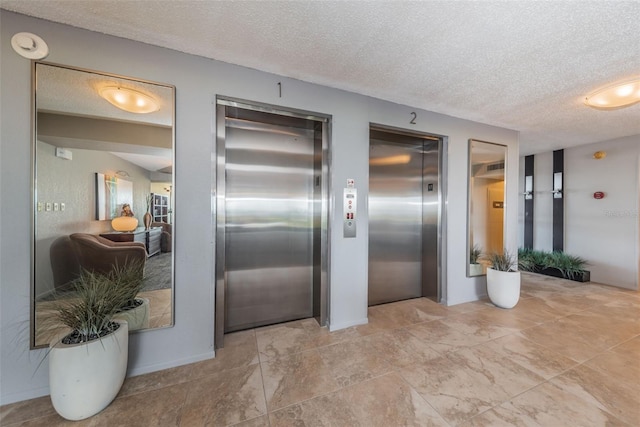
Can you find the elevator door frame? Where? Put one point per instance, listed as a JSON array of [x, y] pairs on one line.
[[442, 200], [321, 265]]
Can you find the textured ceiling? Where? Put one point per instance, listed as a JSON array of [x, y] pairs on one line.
[[523, 65], [75, 92]]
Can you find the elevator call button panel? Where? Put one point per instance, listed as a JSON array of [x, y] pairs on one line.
[[349, 212]]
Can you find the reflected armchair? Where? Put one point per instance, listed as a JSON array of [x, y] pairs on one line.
[[64, 263], [165, 240], [98, 254]]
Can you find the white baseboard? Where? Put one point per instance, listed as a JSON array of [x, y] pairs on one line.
[[172, 364], [44, 391], [337, 326], [24, 395]]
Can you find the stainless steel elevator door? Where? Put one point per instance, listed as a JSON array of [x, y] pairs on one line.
[[403, 217], [269, 216]]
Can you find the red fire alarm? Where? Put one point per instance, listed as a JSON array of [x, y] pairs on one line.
[[598, 195]]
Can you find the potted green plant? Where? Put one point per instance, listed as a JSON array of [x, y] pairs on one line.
[[475, 268], [87, 366], [136, 309], [503, 280]]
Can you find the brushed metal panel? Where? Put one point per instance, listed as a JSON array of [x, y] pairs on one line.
[[395, 220], [269, 223], [405, 206], [430, 218]]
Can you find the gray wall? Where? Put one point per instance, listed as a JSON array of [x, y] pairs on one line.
[[198, 81], [605, 232]]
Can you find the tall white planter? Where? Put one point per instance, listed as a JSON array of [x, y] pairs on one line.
[[475, 270], [85, 378], [503, 287], [137, 318]]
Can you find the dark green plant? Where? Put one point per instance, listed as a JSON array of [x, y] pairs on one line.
[[502, 261], [531, 259], [569, 265], [474, 254], [535, 260], [95, 300]]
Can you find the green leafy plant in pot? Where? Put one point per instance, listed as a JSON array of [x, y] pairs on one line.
[[503, 280], [88, 365]]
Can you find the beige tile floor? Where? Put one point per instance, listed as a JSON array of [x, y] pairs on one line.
[[567, 355]]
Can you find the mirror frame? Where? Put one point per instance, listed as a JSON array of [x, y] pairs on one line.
[[470, 200], [34, 191]]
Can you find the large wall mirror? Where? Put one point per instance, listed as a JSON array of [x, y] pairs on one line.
[[486, 203], [103, 159]]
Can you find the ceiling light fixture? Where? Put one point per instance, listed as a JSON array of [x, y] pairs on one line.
[[129, 100], [618, 95]]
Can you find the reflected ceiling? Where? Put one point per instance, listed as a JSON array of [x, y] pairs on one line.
[[75, 94]]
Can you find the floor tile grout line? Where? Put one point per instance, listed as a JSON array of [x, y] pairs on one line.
[[549, 381], [339, 389], [425, 400], [264, 394], [264, 391], [182, 407]]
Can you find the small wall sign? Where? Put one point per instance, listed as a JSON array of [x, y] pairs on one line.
[[598, 195]]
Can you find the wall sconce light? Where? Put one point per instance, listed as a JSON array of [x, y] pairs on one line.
[[129, 100], [599, 155], [618, 95], [528, 187], [557, 185]]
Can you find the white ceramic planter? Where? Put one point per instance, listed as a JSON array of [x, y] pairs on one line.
[[85, 378], [137, 318], [503, 287], [475, 270]]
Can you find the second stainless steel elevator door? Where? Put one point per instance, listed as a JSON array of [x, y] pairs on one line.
[[269, 218], [403, 217]]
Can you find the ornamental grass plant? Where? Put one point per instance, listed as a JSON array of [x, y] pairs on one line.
[[96, 298], [570, 266], [504, 261]]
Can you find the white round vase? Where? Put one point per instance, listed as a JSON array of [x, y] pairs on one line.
[[85, 378], [503, 287]]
